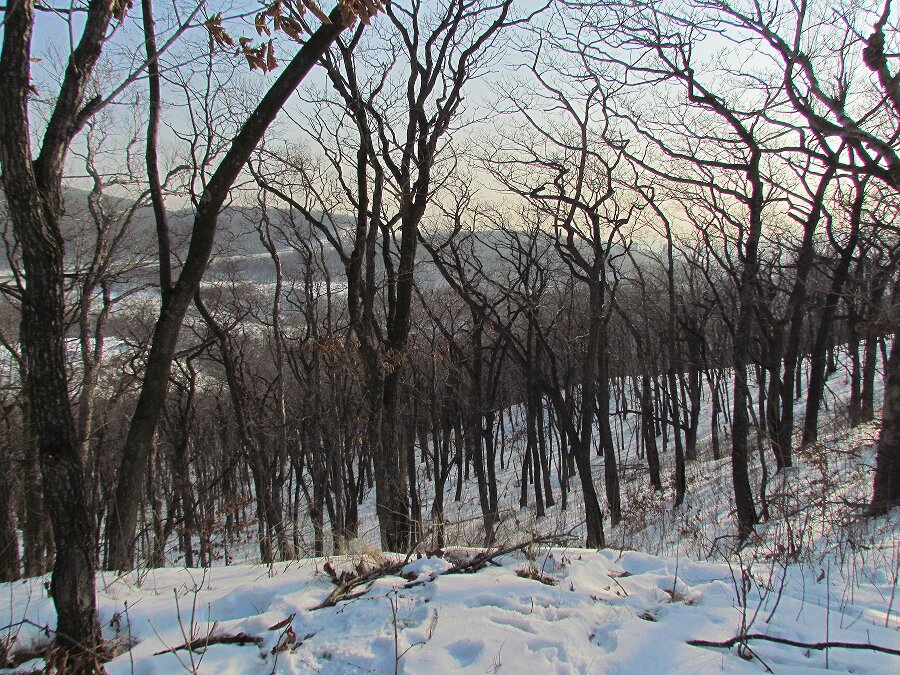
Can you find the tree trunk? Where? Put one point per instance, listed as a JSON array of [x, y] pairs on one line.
[[610, 461], [474, 432], [695, 390], [9, 540], [783, 438], [33, 189], [869, 367], [675, 416], [42, 331], [886, 485], [740, 422], [855, 376], [713, 381], [649, 433], [42, 335], [34, 535], [582, 441]]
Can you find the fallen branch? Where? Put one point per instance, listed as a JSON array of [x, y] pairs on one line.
[[209, 640], [818, 646], [490, 556], [345, 582], [485, 558]]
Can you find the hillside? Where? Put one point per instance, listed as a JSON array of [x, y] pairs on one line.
[[813, 590]]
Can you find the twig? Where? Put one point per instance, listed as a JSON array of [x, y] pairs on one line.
[[394, 602], [819, 646], [486, 557], [828, 612]]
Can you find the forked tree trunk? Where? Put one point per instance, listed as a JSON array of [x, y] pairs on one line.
[[819, 367]]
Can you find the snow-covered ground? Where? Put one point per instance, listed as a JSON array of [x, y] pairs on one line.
[[816, 572], [541, 610]]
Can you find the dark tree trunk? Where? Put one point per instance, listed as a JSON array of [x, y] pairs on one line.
[[415, 504], [740, 421], [610, 461], [675, 416], [886, 486], [34, 535], [42, 330], [33, 189], [695, 390], [491, 452], [770, 397], [475, 434], [579, 447], [831, 360], [869, 367], [9, 540], [394, 518], [542, 452], [649, 433], [532, 397], [783, 437], [581, 442], [185, 499], [874, 327], [713, 381], [855, 376]]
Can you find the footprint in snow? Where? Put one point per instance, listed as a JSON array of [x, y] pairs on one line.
[[466, 652], [605, 637]]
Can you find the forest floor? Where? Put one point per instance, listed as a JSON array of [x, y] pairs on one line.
[[815, 589]]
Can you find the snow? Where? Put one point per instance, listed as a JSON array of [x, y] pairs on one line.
[[605, 611]]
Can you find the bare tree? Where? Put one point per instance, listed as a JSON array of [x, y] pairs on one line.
[[33, 189], [869, 128], [122, 520], [384, 137], [576, 178]]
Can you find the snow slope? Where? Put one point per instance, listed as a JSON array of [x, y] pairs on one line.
[[602, 612]]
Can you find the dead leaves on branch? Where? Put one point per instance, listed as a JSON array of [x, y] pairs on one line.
[[282, 16], [218, 36], [120, 9], [282, 20], [364, 10], [262, 57]]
